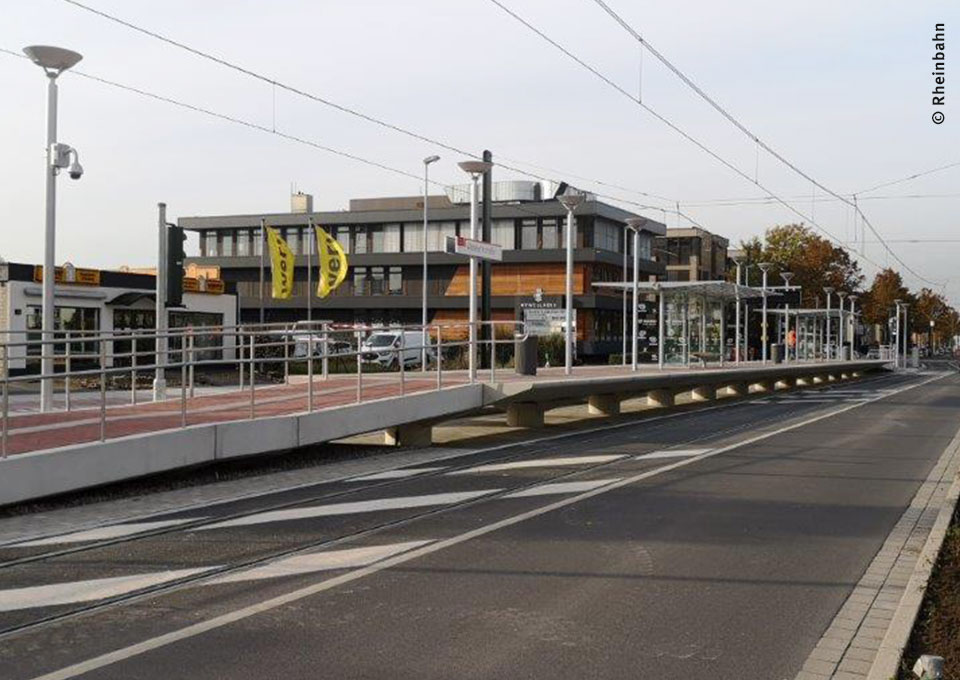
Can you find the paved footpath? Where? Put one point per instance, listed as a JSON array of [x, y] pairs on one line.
[[720, 543]]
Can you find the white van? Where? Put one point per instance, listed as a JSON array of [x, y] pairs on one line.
[[381, 347]]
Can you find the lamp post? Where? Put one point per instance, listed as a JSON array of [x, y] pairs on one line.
[[841, 294], [570, 202], [853, 322], [906, 337], [764, 267], [896, 335], [626, 240], [636, 225], [53, 61], [738, 261], [475, 169], [423, 319], [826, 348], [786, 276]]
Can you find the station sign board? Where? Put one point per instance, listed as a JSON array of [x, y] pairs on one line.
[[461, 245]]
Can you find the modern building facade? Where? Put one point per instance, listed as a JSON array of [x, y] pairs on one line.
[[91, 301], [383, 238], [692, 254]]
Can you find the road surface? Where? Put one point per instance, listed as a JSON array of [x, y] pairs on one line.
[[716, 543]]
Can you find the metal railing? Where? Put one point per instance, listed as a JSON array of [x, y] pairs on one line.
[[263, 355]]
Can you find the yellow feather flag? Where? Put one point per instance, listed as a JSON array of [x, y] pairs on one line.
[[333, 263], [281, 264]]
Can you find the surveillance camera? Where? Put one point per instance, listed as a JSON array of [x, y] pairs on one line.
[[76, 170]]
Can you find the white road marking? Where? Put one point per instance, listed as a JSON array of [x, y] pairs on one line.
[[671, 453], [394, 474], [561, 488], [86, 591], [320, 561], [540, 462], [379, 504], [222, 620], [103, 533]]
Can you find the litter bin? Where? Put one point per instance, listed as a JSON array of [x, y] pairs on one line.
[[525, 358], [776, 353]]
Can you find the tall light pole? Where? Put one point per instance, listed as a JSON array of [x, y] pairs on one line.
[[475, 169], [426, 189], [626, 240], [896, 335], [53, 61], [636, 225], [570, 202], [906, 337], [738, 261], [764, 267], [786, 276], [841, 294], [826, 349], [853, 321]]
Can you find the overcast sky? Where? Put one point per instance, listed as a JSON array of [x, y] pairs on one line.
[[841, 89]]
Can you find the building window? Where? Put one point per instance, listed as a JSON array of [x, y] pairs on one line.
[[76, 320], [360, 281], [308, 243], [376, 281], [502, 233], [292, 237], [360, 240], [551, 234], [412, 238], [391, 238], [256, 241], [528, 235], [342, 234], [438, 233], [207, 346], [646, 246], [395, 281], [210, 244], [243, 243], [226, 244], [606, 236]]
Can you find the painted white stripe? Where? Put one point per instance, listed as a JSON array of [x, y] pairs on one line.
[[320, 561], [561, 488], [86, 591], [672, 453], [201, 627], [395, 474], [379, 504], [103, 533], [540, 462]]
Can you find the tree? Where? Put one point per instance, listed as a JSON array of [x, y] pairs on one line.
[[929, 312], [878, 303]]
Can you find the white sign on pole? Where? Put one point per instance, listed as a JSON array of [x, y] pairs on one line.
[[542, 322], [461, 245]]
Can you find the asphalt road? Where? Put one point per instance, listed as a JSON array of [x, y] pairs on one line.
[[716, 543]]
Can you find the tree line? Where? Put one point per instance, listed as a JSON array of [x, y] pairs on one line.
[[817, 263]]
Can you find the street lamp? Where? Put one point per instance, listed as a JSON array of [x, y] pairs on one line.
[[906, 330], [636, 224], [829, 291], [626, 240], [786, 276], [570, 202], [841, 294], [475, 169], [896, 335], [426, 186], [739, 262], [53, 61], [853, 321], [764, 267]]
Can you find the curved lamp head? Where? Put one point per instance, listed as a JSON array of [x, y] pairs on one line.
[[786, 276], [828, 290], [430, 159], [54, 60], [636, 223], [841, 294], [475, 167], [570, 201], [764, 266]]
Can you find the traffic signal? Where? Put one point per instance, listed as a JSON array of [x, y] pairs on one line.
[[176, 254]]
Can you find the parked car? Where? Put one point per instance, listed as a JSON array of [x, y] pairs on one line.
[[382, 348], [334, 347]]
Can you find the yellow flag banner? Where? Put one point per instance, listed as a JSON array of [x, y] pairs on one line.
[[281, 264], [333, 263]]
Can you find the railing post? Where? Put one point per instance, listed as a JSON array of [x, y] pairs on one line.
[[253, 398], [133, 368], [439, 358], [193, 360], [66, 379], [103, 389], [325, 368], [493, 354], [240, 350], [286, 355], [310, 372], [401, 359], [183, 379], [6, 402], [359, 370]]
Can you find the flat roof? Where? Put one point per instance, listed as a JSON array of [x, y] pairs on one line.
[[715, 289]]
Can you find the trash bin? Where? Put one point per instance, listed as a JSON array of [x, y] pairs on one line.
[[525, 359], [776, 353]]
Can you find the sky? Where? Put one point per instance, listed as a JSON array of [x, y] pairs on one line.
[[842, 90]]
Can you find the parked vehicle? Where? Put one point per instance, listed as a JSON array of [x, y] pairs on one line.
[[334, 347], [382, 348]]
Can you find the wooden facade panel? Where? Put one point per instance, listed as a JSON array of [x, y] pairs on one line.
[[524, 279]]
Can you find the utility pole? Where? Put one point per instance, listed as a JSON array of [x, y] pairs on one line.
[[486, 328], [160, 347]]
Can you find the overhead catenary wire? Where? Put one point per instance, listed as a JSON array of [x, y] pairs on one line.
[[755, 138], [908, 178]]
